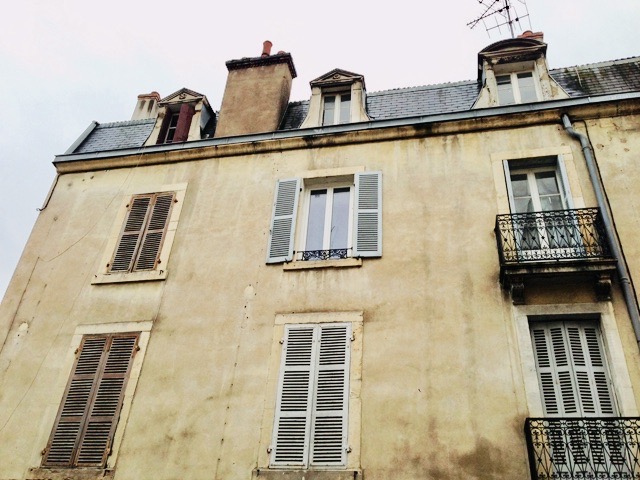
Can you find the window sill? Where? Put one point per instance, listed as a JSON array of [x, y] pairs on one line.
[[146, 276], [58, 473], [279, 474], [315, 264]]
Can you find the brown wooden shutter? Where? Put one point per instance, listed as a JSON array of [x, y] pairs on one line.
[[131, 233], [143, 232], [89, 412], [184, 123], [153, 237]]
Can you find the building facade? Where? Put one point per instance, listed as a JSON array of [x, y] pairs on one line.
[[430, 282]]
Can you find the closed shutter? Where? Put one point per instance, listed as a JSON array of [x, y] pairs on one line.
[[154, 233], [184, 123], [294, 402], [91, 405], [311, 408], [329, 438], [572, 371], [368, 215], [143, 232], [283, 221], [131, 235]]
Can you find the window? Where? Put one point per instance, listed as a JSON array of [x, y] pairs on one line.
[[143, 232], [340, 219], [177, 123], [572, 369], [310, 428], [84, 427], [516, 88], [336, 108]]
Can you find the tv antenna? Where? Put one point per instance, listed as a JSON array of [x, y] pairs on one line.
[[501, 13]]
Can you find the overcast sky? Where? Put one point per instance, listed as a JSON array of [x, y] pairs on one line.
[[65, 63]]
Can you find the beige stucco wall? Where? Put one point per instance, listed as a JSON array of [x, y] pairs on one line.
[[443, 385]]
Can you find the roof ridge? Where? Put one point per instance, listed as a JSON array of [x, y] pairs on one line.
[[604, 63]]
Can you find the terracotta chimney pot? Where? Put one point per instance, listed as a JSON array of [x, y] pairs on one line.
[[266, 48]]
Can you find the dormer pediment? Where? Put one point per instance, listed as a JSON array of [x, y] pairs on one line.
[[184, 95], [337, 77]]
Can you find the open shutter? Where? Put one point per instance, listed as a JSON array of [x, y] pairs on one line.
[[154, 233], [184, 123], [563, 181], [368, 215], [283, 221], [331, 396], [293, 406], [130, 237], [87, 417]]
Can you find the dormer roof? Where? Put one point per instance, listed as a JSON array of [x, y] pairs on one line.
[[184, 95], [337, 76], [512, 50]]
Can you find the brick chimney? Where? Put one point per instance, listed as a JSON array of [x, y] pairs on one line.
[[257, 93], [147, 106]]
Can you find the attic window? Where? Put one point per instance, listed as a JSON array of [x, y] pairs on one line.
[[336, 108], [176, 124], [516, 88]]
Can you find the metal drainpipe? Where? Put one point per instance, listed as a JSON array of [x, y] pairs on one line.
[[621, 265]]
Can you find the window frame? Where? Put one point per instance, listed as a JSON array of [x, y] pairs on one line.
[[287, 234], [58, 389], [514, 82], [105, 273], [338, 109], [331, 186]]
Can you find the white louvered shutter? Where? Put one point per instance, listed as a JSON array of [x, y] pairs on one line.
[[293, 406], [368, 215], [87, 418], [571, 369], [283, 221], [154, 232], [131, 235], [331, 396]]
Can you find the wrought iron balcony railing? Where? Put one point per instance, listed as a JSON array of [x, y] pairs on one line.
[[556, 235], [583, 448], [335, 253]]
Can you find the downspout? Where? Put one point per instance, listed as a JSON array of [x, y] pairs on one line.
[[621, 266]]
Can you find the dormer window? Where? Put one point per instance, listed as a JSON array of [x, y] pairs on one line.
[[171, 129], [336, 108], [337, 97], [182, 116], [516, 88]]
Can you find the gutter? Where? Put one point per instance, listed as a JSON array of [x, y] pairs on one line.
[[347, 128], [621, 265]]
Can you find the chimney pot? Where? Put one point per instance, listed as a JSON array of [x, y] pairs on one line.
[[534, 35], [266, 48]]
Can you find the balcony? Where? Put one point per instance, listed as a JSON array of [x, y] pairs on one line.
[[560, 243], [583, 448]]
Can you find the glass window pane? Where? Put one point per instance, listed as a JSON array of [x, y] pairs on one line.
[[523, 205], [315, 224], [329, 109], [551, 202], [340, 218], [520, 186], [527, 88], [345, 108], [547, 183], [505, 92]]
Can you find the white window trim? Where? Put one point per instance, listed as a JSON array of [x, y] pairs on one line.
[[355, 318], [59, 387], [513, 69], [104, 276], [337, 112], [613, 350], [329, 185], [515, 87]]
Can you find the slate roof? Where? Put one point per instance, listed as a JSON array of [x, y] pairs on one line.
[[116, 135], [602, 78]]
